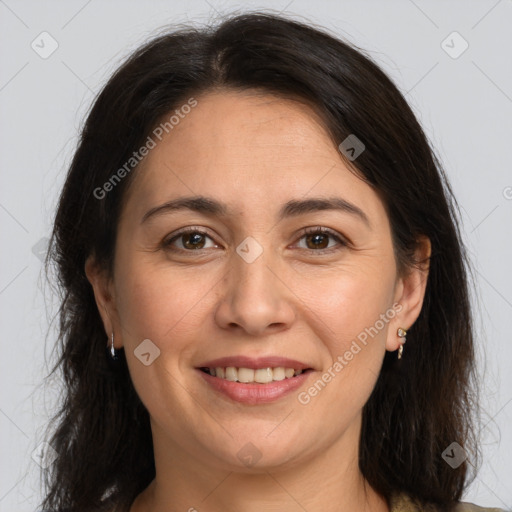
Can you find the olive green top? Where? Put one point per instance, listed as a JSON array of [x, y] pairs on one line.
[[403, 503]]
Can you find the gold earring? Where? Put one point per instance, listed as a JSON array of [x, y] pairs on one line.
[[401, 333]]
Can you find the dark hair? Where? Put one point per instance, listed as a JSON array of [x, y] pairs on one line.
[[420, 404]]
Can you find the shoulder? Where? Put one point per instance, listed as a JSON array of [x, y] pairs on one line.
[[471, 507], [402, 502]]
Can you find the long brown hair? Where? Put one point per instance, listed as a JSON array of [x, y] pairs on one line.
[[420, 404]]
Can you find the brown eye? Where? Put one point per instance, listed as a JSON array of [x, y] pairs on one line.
[[190, 240], [317, 239], [193, 240]]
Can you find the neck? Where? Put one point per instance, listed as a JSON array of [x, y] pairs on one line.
[[329, 482]]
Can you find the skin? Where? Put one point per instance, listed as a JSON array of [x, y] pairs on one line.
[[254, 152]]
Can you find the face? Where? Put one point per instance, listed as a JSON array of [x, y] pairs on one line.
[[269, 280]]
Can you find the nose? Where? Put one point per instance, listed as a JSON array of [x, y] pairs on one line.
[[255, 299]]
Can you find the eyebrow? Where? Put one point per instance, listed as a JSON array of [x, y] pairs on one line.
[[293, 208]]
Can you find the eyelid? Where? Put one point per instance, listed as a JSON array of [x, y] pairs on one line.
[[342, 240], [184, 231]]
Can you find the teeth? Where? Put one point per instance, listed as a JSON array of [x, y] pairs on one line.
[[231, 374], [249, 375], [278, 373], [245, 375], [263, 375]]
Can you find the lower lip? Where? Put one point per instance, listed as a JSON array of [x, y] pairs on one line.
[[255, 393]]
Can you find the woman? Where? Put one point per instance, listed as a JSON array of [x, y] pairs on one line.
[[256, 229]]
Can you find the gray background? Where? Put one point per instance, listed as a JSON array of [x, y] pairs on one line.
[[464, 103]]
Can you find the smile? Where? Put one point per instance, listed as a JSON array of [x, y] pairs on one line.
[[252, 375], [244, 388]]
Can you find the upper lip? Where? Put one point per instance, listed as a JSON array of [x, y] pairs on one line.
[[255, 362]]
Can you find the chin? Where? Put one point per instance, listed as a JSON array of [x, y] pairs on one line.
[[260, 454]]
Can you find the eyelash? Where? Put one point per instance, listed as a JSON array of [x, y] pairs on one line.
[[166, 244]]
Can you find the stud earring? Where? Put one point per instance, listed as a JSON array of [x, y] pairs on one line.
[[401, 333]]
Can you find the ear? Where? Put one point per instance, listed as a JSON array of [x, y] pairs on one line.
[[410, 292], [104, 295]]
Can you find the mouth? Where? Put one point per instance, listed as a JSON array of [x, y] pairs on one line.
[[254, 375], [254, 381], [252, 392]]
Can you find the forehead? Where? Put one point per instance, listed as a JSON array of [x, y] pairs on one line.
[[242, 114], [247, 150]]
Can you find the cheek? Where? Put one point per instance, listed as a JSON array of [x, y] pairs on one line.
[[355, 308], [349, 303], [166, 303], [355, 314], [162, 303], [165, 307]]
